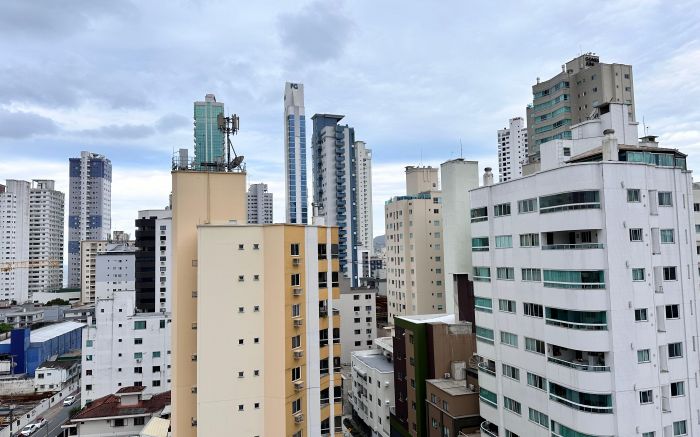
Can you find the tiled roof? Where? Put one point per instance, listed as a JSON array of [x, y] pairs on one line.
[[110, 406], [131, 389]]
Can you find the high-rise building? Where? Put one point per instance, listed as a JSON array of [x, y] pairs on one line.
[[342, 179], [574, 96], [295, 153], [153, 260], [89, 249], [89, 206], [46, 215], [259, 205], [585, 282], [197, 197], [209, 140], [414, 264], [432, 349], [272, 326], [14, 240], [512, 149]]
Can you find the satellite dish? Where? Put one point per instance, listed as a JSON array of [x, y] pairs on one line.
[[237, 161]]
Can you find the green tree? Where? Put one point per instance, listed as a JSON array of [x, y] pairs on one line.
[[57, 301], [4, 327]]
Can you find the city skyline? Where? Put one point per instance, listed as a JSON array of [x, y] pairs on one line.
[[139, 123]]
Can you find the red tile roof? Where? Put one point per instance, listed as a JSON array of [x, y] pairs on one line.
[[131, 389], [110, 406]]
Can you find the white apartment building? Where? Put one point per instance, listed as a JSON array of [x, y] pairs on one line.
[[54, 376], [123, 348], [585, 277], [89, 250], [512, 149], [696, 210], [46, 211], [372, 394], [259, 204], [342, 180], [89, 206], [414, 264], [114, 270], [358, 320], [14, 240]]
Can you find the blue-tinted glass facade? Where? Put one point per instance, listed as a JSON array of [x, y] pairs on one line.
[[208, 139]]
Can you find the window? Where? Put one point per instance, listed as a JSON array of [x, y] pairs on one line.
[[567, 150], [638, 274], [480, 244], [636, 234], [533, 310], [296, 373], [504, 241], [672, 312], [139, 324], [295, 280], [256, 246], [670, 273], [643, 356], [507, 306], [640, 315], [665, 198], [118, 422], [511, 405], [509, 339], [140, 420], [569, 201], [587, 279], [505, 273], [488, 397], [633, 195], [666, 235], [646, 397], [531, 275], [501, 210], [240, 247], [511, 372], [294, 249], [649, 434], [138, 341], [679, 428], [529, 240], [296, 341], [484, 334], [138, 369], [538, 418], [156, 354], [678, 388], [482, 274], [534, 345], [479, 214], [483, 304], [296, 310], [675, 350], [527, 205], [138, 355], [296, 406], [162, 324], [536, 381]]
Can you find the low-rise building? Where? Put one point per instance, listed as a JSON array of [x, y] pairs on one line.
[[452, 405], [124, 413], [53, 376], [372, 394]]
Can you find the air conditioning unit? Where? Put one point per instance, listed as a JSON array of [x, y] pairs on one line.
[[298, 323], [138, 360], [194, 389], [296, 262], [296, 291], [447, 376], [298, 385], [298, 354], [298, 418]]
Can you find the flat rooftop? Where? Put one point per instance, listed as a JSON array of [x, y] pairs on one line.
[[50, 331], [375, 360], [451, 386], [430, 318]]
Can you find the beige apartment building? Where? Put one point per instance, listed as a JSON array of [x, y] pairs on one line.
[[88, 256], [256, 337], [414, 252]]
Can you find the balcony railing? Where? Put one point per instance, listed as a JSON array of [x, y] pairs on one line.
[[581, 407], [488, 429], [485, 368], [579, 366], [573, 246], [575, 285], [576, 325]]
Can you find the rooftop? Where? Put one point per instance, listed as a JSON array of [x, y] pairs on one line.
[[430, 318], [64, 364], [374, 359], [156, 427], [48, 332], [451, 386], [110, 406]]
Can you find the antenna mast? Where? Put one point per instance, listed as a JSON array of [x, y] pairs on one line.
[[230, 126]]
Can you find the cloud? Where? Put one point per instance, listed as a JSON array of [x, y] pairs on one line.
[[318, 32], [21, 124], [119, 132], [173, 122]]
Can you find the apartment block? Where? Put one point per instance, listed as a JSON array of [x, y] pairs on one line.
[[372, 394], [585, 278], [14, 240], [512, 149], [414, 252], [438, 348], [89, 207], [358, 327], [276, 305], [153, 260], [295, 154], [46, 212], [89, 250], [259, 204]]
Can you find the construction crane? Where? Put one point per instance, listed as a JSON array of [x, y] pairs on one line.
[[29, 264]]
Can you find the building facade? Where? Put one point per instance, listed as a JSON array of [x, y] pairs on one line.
[[259, 205], [89, 206], [14, 240], [358, 325], [414, 264], [512, 149], [153, 260], [89, 250], [279, 304], [209, 141], [46, 212], [564, 350], [372, 395], [295, 154], [342, 169], [572, 97]]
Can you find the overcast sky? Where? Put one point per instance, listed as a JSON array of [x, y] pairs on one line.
[[413, 78]]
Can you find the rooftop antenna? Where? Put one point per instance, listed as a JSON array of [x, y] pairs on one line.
[[230, 126], [461, 155], [644, 124]]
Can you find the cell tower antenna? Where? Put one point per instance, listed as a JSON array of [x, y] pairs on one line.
[[230, 126]]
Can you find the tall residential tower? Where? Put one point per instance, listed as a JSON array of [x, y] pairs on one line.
[[259, 204], [46, 216], [512, 149], [14, 239], [295, 153], [89, 206], [209, 144]]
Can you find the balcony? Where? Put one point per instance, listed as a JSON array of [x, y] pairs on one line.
[[487, 367], [574, 279], [578, 360], [579, 320], [580, 239], [488, 429], [581, 401]]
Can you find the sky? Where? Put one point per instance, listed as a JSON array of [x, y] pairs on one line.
[[419, 81]]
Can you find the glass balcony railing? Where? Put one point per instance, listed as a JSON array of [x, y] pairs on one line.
[[573, 246], [484, 367], [579, 365], [489, 429], [581, 407]]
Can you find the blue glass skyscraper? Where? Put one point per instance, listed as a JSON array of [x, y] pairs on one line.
[[295, 153]]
